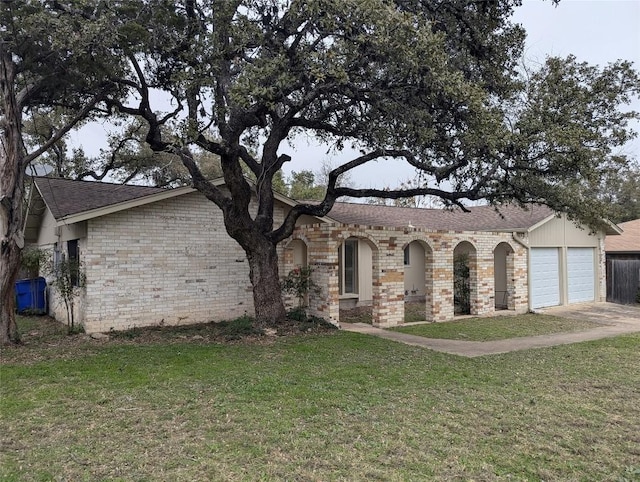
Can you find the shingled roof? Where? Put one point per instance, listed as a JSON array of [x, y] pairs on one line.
[[65, 197], [68, 197], [481, 218], [628, 241]]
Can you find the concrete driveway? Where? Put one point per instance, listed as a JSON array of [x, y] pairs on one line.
[[602, 313], [613, 320]]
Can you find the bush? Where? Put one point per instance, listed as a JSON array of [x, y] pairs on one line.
[[307, 323], [299, 283], [297, 314], [31, 259], [69, 279], [313, 323], [461, 285], [238, 328]]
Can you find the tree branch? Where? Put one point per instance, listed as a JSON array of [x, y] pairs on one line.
[[67, 127]]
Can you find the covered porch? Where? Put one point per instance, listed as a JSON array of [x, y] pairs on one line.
[[379, 267]]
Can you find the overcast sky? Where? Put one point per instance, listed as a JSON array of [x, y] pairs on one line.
[[595, 31]]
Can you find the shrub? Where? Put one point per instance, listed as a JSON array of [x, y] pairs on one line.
[[68, 279], [461, 285], [31, 259], [299, 283], [297, 314], [312, 323], [238, 328]]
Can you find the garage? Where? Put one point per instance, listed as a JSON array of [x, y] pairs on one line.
[[580, 275], [545, 277]]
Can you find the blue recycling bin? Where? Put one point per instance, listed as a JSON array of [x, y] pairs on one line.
[[31, 295]]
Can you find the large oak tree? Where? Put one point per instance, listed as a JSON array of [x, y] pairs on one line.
[[437, 84]]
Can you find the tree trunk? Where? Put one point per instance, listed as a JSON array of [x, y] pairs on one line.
[[9, 265], [267, 292], [11, 197]]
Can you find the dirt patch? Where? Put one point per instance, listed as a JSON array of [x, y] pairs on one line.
[[43, 338], [359, 314], [413, 311]]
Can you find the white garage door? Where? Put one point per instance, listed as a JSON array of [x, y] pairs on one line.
[[580, 274], [545, 279]]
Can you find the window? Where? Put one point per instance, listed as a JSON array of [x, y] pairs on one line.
[[407, 256], [74, 260], [348, 266]]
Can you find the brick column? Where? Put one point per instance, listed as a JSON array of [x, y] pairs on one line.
[[323, 261], [428, 284], [286, 265], [473, 281], [388, 284], [325, 303], [442, 280], [520, 294], [484, 301], [511, 281]]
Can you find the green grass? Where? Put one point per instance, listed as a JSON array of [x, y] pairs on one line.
[[497, 328], [339, 406], [40, 326]]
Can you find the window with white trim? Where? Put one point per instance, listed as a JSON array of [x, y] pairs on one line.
[[348, 267]]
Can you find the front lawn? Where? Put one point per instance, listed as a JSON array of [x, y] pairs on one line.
[[333, 406], [497, 327]]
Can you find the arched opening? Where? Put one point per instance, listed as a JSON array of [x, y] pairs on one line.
[[503, 277], [464, 279], [299, 249], [355, 279], [295, 258], [418, 281]]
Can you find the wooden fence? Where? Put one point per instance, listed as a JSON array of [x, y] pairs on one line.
[[623, 280]]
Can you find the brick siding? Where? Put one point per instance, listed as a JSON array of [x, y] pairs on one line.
[[388, 270], [170, 262]]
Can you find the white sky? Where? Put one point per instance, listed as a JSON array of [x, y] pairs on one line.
[[595, 31]]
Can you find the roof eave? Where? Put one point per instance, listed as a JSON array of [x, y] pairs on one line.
[[292, 202], [504, 230], [122, 206], [540, 223], [32, 218], [155, 197], [612, 229]]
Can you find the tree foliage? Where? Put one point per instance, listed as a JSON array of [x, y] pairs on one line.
[[302, 186], [56, 59], [620, 189], [432, 83], [435, 84]]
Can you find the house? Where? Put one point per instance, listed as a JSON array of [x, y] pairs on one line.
[[151, 256], [156, 256], [623, 264], [517, 259]]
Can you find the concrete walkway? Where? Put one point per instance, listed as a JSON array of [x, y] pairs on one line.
[[613, 319]]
